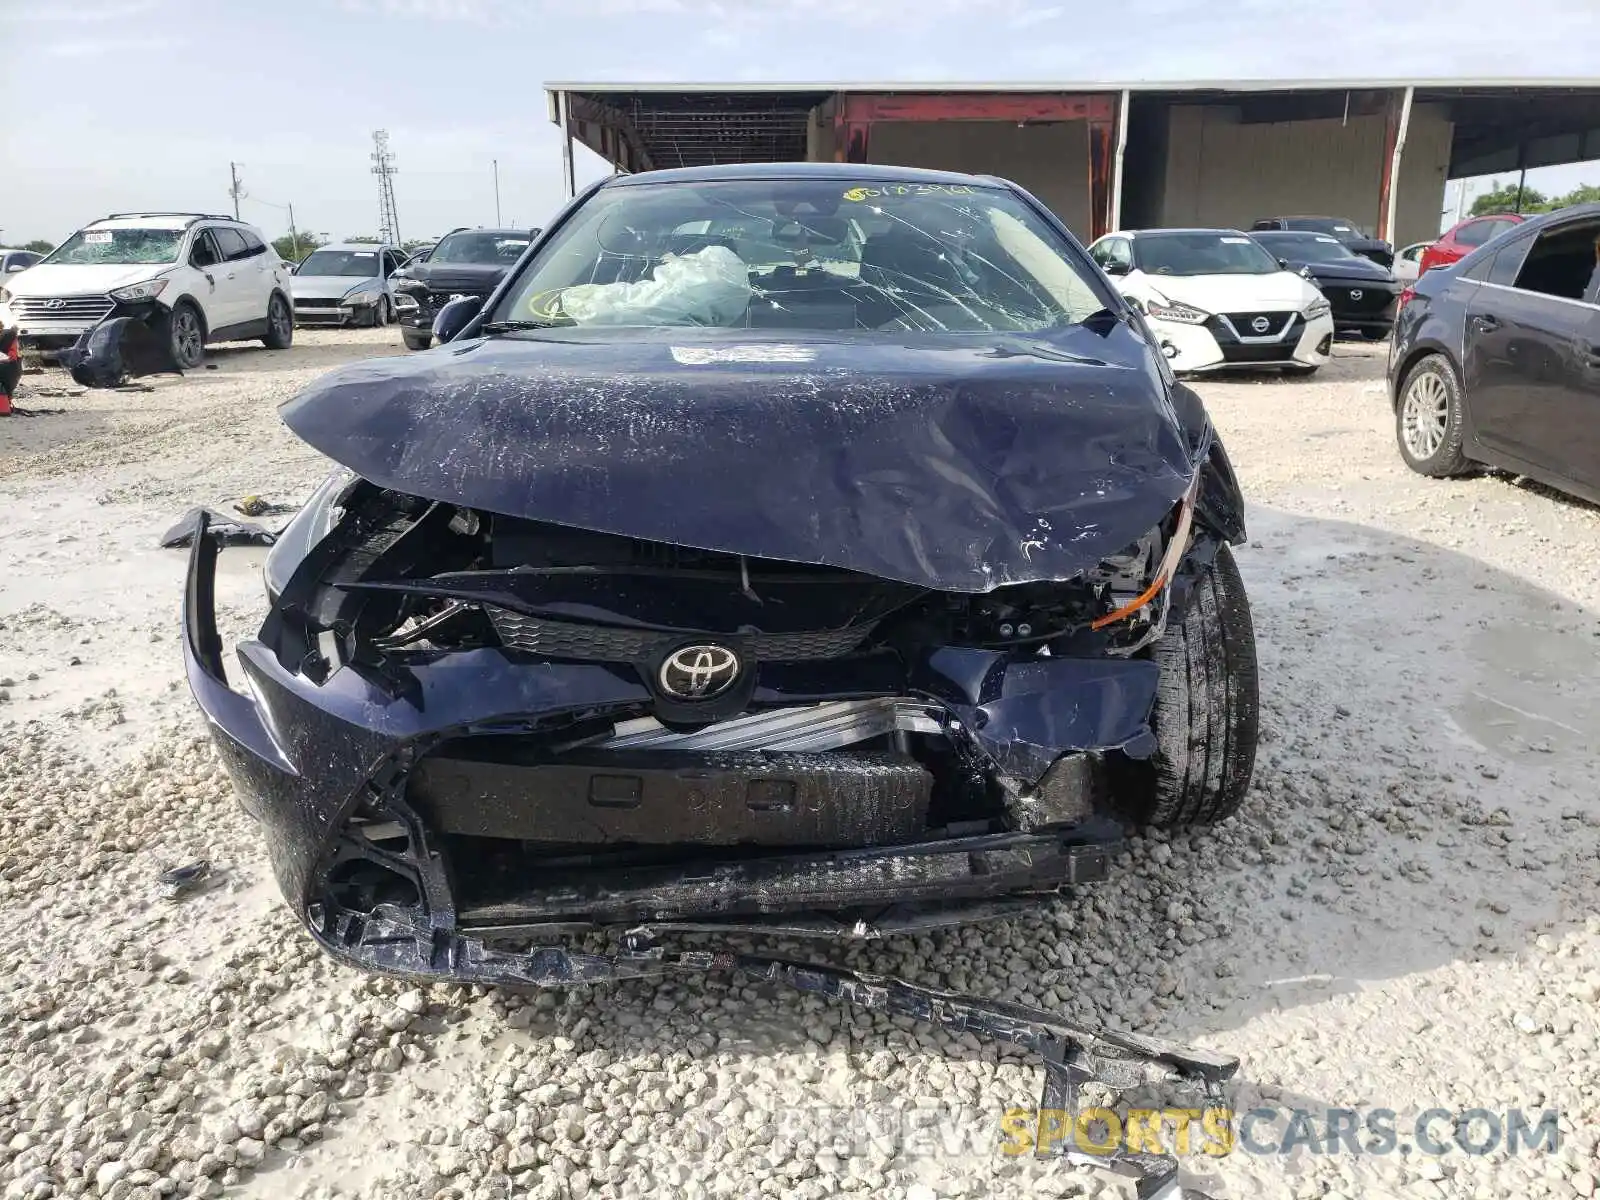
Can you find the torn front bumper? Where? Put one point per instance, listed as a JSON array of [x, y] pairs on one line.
[[303, 757]]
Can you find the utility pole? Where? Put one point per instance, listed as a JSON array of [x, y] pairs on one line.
[[294, 236], [235, 191], [383, 167], [496, 163]]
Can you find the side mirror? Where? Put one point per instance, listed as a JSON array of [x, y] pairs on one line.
[[456, 316], [1283, 264], [1113, 267]]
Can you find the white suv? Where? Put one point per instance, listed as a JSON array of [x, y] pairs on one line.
[[193, 278]]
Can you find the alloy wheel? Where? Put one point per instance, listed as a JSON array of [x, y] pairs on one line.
[[1426, 416]]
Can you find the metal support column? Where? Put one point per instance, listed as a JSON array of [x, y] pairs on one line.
[[1115, 221], [1100, 175], [1394, 143], [564, 110]]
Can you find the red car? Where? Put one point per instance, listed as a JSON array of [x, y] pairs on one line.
[[1466, 236]]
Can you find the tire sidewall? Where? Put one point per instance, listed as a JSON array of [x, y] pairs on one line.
[[414, 342], [380, 313], [1446, 459], [275, 339], [182, 314]]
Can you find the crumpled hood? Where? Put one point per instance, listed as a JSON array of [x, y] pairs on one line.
[[331, 287], [955, 463], [88, 279]]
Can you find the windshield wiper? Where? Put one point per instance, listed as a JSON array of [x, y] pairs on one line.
[[512, 326]]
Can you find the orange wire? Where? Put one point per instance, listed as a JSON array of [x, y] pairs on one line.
[[1133, 606]]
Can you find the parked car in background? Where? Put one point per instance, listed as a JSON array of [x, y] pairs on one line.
[[465, 262], [1408, 262], [1216, 299], [1348, 232], [347, 284], [419, 254], [1466, 236], [12, 261], [1361, 293], [189, 277], [1496, 359]]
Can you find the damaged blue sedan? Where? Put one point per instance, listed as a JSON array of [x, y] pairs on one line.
[[801, 548]]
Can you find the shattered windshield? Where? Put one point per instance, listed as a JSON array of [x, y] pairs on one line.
[[1320, 248], [341, 262], [117, 247], [1201, 253], [806, 254], [479, 247]]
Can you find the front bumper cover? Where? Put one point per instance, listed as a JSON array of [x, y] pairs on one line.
[[302, 756]]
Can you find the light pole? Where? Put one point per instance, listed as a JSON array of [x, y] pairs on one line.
[[496, 163], [294, 235]]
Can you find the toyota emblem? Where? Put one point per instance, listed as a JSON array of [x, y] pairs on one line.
[[52, 305], [699, 672], [1261, 324], [1355, 293]]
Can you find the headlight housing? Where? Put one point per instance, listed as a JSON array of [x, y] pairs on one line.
[[309, 526], [1318, 308], [1183, 314], [148, 290], [363, 296]]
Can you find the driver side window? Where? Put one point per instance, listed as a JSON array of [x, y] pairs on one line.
[[204, 254]]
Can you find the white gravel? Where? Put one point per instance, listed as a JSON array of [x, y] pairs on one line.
[[1403, 917]]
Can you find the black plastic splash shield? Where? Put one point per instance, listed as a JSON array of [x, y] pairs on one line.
[[958, 462], [1071, 1054]]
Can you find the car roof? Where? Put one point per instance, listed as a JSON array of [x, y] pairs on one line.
[[855, 172], [495, 231], [1309, 234], [146, 221], [372, 246]]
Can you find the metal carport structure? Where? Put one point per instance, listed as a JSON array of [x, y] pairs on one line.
[[1110, 155]]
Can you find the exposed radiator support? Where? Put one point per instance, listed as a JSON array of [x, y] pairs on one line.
[[811, 728]]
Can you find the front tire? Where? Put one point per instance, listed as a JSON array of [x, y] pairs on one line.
[[188, 336], [416, 341], [380, 313], [1427, 421], [1206, 714], [280, 324]]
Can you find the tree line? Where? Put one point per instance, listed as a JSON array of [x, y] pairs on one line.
[[1512, 198]]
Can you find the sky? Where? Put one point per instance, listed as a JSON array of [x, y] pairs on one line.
[[135, 104]]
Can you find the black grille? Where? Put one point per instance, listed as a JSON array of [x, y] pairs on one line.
[[1371, 302], [1244, 323], [316, 302], [1258, 353], [609, 643]]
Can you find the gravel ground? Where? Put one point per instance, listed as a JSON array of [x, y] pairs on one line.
[[1402, 917]]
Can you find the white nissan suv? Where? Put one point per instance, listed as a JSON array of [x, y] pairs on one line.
[[192, 278]]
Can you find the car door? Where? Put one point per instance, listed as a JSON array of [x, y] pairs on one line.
[[234, 303], [256, 269], [1531, 353], [206, 261]]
